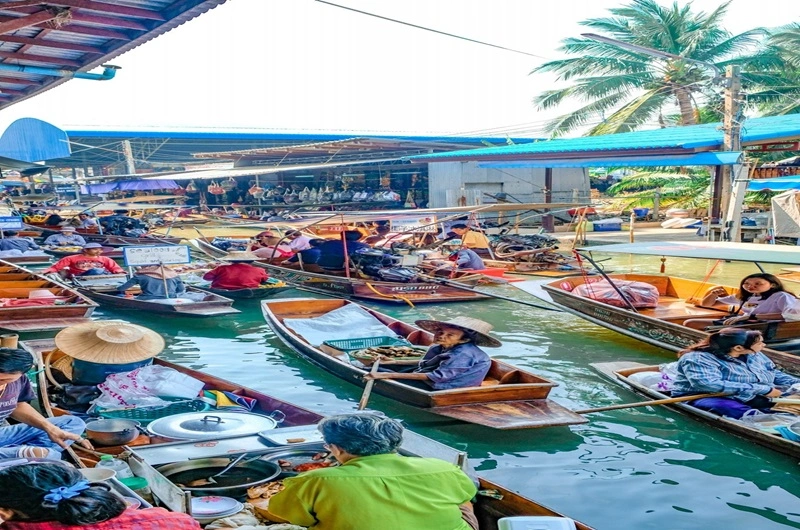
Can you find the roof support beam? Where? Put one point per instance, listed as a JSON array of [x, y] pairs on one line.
[[39, 59], [11, 24], [107, 21], [101, 7], [38, 41], [17, 81]]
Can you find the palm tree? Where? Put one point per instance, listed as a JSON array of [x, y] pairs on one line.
[[689, 189], [633, 86], [777, 71]]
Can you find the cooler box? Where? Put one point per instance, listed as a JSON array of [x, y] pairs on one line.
[[605, 226]]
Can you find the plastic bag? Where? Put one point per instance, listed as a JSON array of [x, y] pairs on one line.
[[767, 422], [143, 386], [639, 294]]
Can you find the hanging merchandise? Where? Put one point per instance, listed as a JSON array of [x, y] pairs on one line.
[[215, 189], [229, 184], [179, 191], [314, 195], [191, 187], [304, 195], [256, 191], [410, 200]]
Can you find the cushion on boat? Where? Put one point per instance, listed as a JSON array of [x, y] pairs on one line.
[[638, 294]]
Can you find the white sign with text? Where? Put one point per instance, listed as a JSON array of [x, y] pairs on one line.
[[155, 255]]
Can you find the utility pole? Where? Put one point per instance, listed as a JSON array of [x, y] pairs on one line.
[[130, 166], [732, 129]]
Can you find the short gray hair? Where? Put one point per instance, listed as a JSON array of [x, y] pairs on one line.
[[362, 434]]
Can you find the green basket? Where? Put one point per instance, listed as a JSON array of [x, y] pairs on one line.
[[348, 345], [145, 415]]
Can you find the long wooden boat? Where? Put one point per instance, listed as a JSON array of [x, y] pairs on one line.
[[368, 289], [62, 252], [115, 241], [212, 304], [662, 325], [249, 294], [621, 372], [510, 398], [18, 312], [488, 508], [29, 259]]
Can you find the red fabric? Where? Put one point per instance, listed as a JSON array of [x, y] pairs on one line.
[[236, 276], [147, 519], [81, 263]]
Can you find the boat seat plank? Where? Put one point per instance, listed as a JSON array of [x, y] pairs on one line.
[[512, 414], [43, 324]]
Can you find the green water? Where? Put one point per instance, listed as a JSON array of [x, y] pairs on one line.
[[641, 468]]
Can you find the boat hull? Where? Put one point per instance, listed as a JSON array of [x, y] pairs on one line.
[[249, 294], [215, 306]]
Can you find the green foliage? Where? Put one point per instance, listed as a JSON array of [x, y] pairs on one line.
[[678, 190]]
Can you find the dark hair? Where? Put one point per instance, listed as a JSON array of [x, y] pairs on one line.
[[14, 361], [317, 242], [290, 233], [362, 434], [744, 296], [383, 229], [458, 225], [722, 342], [121, 211], [352, 235], [23, 488], [11, 233]]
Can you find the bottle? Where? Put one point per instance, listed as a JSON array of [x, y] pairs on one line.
[[122, 468], [140, 487]]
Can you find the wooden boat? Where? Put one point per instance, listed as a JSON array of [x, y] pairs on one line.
[[488, 508], [19, 313], [368, 289], [28, 259], [108, 296], [510, 398], [62, 252], [93, 236], [249, 294], [663, 325], [621, 372]]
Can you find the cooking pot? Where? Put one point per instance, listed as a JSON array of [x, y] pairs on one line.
[[212, 424], [234, 483], [112, 431]]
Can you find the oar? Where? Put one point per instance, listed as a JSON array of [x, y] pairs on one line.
[[648, 403], [362, 403], [463, 287]]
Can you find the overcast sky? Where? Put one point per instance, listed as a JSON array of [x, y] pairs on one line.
[[301, 65]]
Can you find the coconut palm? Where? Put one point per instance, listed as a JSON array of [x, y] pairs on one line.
[[633, 86], [777, 73], [690, 189]]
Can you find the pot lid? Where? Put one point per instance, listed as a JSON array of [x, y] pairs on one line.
[[210, 424], [213, 505]]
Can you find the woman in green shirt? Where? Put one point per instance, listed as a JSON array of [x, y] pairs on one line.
[[374, 487]]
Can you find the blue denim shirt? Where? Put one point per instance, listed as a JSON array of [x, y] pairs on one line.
[[461, 366], [153, 288]]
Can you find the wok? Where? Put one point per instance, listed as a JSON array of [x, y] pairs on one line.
[[234, 483], [112, 431]]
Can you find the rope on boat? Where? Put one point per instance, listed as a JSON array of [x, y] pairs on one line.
[[394, 296]]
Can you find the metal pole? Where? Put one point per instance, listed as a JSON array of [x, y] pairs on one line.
[[732, 128]]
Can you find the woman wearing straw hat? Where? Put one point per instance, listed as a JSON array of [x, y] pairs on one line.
[[238, 273], [455, 359], [156, 283]]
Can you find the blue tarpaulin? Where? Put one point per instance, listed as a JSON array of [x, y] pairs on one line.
[[697, 159], [776, 184], [129, 185]]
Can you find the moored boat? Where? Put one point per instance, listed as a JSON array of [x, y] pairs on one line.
[[258, 293], [509, 398], [495, 503], [32, 302], [621, 372], [61, 252]]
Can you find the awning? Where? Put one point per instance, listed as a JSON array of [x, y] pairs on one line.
[[776, 184], [783, 254], [696, 159], [129, 185]]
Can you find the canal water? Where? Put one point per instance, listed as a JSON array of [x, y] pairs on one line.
[[638, 468]]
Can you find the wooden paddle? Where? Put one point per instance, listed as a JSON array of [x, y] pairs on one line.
[[362, 403], [648, 403]]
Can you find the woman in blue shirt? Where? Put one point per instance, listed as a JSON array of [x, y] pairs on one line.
[[730, 361]]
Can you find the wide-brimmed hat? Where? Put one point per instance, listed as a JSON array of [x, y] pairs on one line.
[[264, 234], [240, 255], [477, 328], [92, 245], [109, 342]]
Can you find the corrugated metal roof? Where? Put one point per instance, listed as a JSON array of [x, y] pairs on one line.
[[687, 139], [79, 35]]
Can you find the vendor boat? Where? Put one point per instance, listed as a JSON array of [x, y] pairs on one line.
[[32, 302], [103, 290], [495, 503], [31, 257], [62, 252], [763, 434], [662, 325], [258, 293], [93, 236], [509, 398]]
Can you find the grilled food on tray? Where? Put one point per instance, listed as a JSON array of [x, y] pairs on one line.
[[387, 352]]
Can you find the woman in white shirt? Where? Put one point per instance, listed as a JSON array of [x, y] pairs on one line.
[[761, 296]]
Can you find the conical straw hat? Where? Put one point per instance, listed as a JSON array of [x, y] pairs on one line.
[[240, 255], [109, 342], [477, 328]]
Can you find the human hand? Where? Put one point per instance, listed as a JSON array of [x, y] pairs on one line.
[[377, 375], [62, 437], [734, 320], [773, 393]]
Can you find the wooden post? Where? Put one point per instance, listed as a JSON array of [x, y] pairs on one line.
[[548, 223], [164, 279], [732, 128], [631, 229]]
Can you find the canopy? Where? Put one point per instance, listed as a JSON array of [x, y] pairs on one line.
[[129, 185], [776, 184], [782, 254], [786, 214], [697, 159]]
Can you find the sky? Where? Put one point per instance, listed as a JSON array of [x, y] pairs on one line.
[[301, 65]]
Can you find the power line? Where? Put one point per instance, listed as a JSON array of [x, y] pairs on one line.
[[432, 30]]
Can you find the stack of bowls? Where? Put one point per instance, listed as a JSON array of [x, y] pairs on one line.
[[210, 508]]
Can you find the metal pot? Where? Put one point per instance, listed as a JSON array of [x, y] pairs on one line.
[[233, 483], [112, 431], [212, 424]]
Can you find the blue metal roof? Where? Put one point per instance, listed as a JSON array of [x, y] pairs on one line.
[[715, 158], [692, 137], [776, 184]]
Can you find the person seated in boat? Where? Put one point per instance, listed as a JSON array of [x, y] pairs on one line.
[[471, 239], [761, 297], [333, 250], [454, 360], [13, 241], [730, 361], [56, 496], [66, 238], [466, 259], [34, 436], [270, 247], [90, 262], [156, 283], [298, 241], [121, 224], [381, 232], [53, 220], [393, 491], [237, 273], [87, 222], [310, 256]]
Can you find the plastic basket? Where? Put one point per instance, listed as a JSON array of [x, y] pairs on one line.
[[145, 415], [348, 345]]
